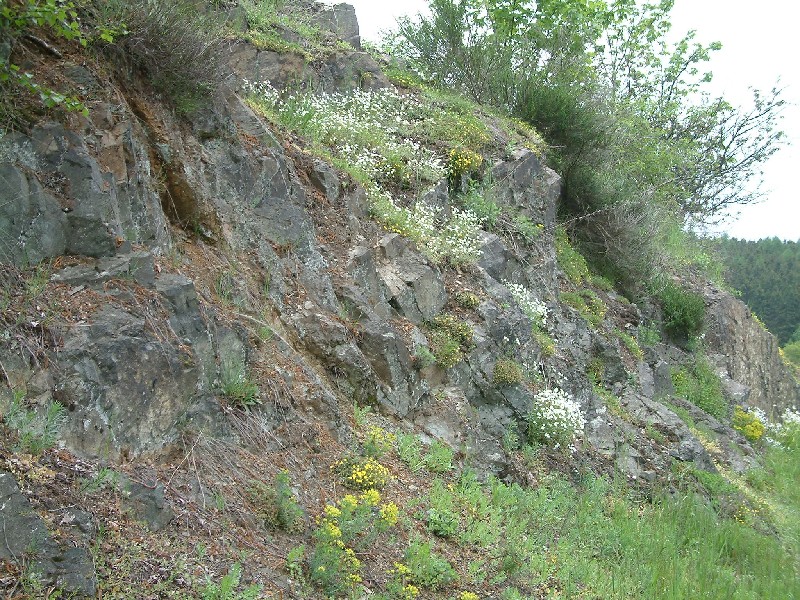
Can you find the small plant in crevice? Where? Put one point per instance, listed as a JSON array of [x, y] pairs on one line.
[[276, 505], [423, 357], [36, 431], [467, 300], [507, 372], [236, 384], [449, 338]]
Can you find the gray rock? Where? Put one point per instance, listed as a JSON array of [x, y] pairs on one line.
[[324, 178], [341, 20], [147, 503], [125, 389], [27, 542], [33, 226], [411, 286]]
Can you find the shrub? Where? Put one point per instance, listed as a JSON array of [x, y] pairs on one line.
[[439, 458], [362, 473], [507, 371], [461, 162], [700, 385], [555, 419], [175, 43], [428, 569], [353, 522], [683, 311], [748, 424], [276, 504]]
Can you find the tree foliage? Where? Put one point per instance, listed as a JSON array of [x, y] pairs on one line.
[[642, 147], [767, 273]]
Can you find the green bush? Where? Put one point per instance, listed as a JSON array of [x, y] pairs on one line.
[[428, 569], [700, 385], [276, 505], [748, 424], [176, 44], [438, 458], [506, 372], [683, 312]]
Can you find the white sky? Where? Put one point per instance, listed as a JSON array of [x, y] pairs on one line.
[[758, 48]]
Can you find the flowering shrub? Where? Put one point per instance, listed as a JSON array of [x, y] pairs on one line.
[[556, 419], [533, 308], [362, 473], [368, 129], [786, 433], [748, 424], [398, 586], [378, 442], [455, 240], [353, 522], [461, 162]]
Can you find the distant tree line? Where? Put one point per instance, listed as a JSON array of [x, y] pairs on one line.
[[767, 273]]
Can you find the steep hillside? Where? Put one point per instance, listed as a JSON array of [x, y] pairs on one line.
[[322, 332]]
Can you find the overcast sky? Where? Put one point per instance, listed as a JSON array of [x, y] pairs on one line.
[[758, 48]]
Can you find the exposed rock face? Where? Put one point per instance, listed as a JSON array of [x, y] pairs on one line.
[[25, 536], [749, 355]]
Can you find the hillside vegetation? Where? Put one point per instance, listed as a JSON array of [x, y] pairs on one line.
[[280, 318]]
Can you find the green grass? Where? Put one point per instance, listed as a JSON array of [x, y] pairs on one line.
[[699, 384]]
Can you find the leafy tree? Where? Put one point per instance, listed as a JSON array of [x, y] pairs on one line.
[[642, 148]]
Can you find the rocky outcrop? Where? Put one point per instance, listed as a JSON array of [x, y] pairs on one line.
[[208, 242], [748, 356]]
